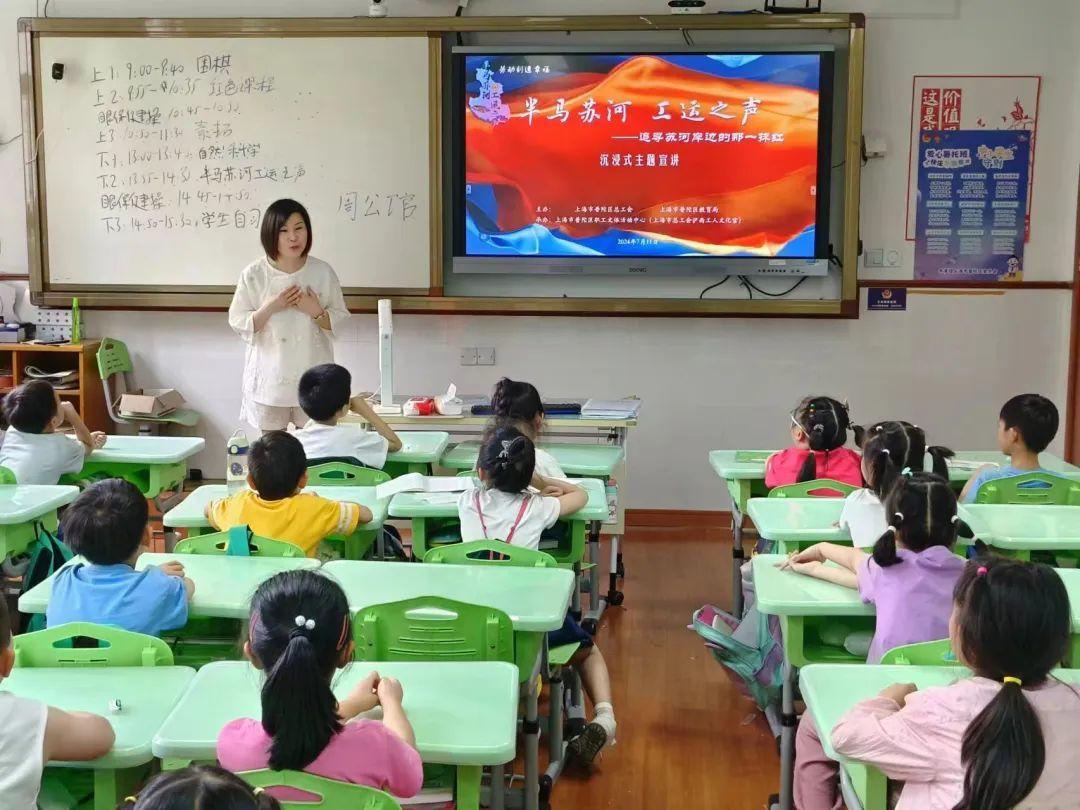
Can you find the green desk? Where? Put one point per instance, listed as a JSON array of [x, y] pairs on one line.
[[1017, 530], [154, 464], [803, 605], [23, 505], [190, 513], [587, 460], [419, 451], [147, 696], [223, 585], [966, 462], [795, 523], [464, 714]]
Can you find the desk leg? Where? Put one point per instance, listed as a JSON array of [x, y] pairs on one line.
[[498, 787], [737, 558], [468, 787], [787, 736], [531, 728]]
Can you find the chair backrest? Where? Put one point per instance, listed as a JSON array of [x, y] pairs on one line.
[[55, 647], [1030, 488], [490, 552], [818, 488], [7, 476], [344, 474], [330, 793], [927, 654], [431, 628], [113, 358], [238, 542]]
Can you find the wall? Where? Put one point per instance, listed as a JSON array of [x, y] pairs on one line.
[[947, 363]]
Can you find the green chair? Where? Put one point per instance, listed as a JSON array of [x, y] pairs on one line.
[[7, 477], [431, 628], [927, 654], [114, 366], [1030, 488], [329, 793], [343, 474], [489, 552], [239, 541], [818, 488], [54, 647]]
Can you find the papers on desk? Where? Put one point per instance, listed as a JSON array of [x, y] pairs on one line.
[[417, 482], [611, 409], [961, 464]]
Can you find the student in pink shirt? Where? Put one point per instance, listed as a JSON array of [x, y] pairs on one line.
[[300, 634], [1004, 738], [819, 429], [909, 578]]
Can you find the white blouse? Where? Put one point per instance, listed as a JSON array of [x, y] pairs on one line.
[[291, 342]]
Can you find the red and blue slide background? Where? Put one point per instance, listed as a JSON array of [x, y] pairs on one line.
[[523, 180]]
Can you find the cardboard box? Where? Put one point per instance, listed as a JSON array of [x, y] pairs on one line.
[[153, 402]]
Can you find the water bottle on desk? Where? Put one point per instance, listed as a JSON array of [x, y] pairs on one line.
[[236, 462]]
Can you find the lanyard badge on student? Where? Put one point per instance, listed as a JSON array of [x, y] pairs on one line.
[[517, 520]]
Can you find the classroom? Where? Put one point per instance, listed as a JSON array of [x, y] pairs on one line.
[[727, 457]]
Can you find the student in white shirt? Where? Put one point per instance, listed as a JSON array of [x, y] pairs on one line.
[[888, 450], [286, 308], [32, 448], [517, 404], [504, 508], [32, 734], [325, 396]]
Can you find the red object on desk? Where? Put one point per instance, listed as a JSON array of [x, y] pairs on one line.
[[423, 406]]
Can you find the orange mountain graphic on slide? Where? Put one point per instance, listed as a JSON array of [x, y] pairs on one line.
[[764, 191]]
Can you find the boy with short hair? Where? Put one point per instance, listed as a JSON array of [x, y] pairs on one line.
[[1026, 426], [325, 396], [275, 507], [32, 448], [107, 525], [32, 733]]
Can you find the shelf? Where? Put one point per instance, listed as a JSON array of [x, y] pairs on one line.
[[69, 392]]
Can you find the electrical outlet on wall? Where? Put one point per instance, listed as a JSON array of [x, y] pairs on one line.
[[485, 355], [468, 355], [874, 257]]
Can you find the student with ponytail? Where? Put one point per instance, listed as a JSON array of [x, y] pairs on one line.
[[517, 404], [300, 634], [819, 429], [200, 786], [909, 578], [912, 442], [1004, 738]]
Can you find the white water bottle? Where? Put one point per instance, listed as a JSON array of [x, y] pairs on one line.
[[236, 462]]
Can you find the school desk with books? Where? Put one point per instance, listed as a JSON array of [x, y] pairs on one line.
[[145, 697], [22, 507], [463, 713], [224, 585], [419, 451], [585, 460], [154, 464], [830, 691], [190, 514]]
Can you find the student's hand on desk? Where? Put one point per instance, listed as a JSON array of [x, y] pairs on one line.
[[362, 698], [556, 489], [898, 692], [389, 691], [806, 568], [812, 554], [172, 569], [308, 303], [99, 438]]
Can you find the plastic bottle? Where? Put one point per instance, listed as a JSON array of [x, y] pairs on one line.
[[236, 461]]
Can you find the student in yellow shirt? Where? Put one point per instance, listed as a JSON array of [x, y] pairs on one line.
[[275, 507]]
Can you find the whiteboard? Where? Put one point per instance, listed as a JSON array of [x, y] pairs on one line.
[[160, 155]]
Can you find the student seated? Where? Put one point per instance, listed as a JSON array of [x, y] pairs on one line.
[[504, 509], [1026, 426], [300, 635], [819, 428], [32, 734], [275, 507], [32, 448], [325, 398], [107, 525], [517, 404], [200, 786]]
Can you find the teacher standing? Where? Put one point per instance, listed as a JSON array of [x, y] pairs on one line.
[[286, 308]]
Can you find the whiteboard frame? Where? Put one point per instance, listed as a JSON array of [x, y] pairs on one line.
[[436, 29]]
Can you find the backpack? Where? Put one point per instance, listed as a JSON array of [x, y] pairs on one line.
[[48, 555]]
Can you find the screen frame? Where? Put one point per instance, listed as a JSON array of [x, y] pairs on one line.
[[639, 263]]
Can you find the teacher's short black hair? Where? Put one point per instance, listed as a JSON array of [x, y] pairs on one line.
[[274, 220], [106, 522], [277, 463], [30, 407], [325, 390]]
